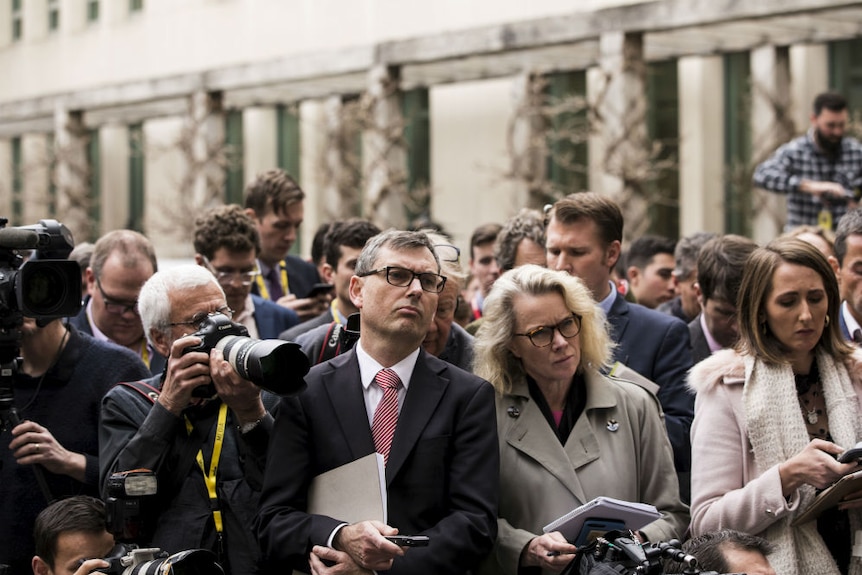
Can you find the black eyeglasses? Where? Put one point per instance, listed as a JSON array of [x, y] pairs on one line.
[[543, 336], [448, 253], [198, 319], [228, 278], [116, 307], [402, 277]]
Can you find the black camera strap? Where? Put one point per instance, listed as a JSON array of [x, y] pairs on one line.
[[331, 343]]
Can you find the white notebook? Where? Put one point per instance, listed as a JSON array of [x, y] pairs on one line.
[[634, 515]]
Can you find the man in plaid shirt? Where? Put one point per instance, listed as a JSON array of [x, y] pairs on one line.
[[820, 171]]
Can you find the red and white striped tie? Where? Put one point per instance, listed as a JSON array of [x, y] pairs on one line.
[[386, 414]]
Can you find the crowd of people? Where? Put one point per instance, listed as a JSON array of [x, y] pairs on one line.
[[710, 377]]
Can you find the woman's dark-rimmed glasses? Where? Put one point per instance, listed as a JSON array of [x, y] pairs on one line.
[[544, 335]]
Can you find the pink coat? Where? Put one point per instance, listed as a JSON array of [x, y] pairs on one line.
[[727, 488]]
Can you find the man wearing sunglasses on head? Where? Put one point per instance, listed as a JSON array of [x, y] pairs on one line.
[[199, 426], [226, 243], [122, 261]]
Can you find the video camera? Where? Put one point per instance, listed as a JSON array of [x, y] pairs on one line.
[[275, 365], [618, 553], [47, 286]]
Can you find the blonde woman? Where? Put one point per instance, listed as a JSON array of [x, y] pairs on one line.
[[567, 433]]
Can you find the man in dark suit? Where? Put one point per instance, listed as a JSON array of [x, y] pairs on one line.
[[584, 236], [122, 261], [226, 243], [341, 246], [275, 202], [720, 264], [442, 459], [847, 264]]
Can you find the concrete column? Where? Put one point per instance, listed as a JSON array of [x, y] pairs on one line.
[[5, 24], [112, 12], [115, 150], [35, 19], [36, 176], [621, 106], [311, 132], [771, 125], [73, 15], [260, 140], [809, 76], [72, 171], [529, 144], [5, 179], [701, 149], [341, 174], [383, 151], [205, 131]]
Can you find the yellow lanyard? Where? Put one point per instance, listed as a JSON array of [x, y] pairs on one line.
[[261, 282], [334, 307], [145, 353], [210, 478]]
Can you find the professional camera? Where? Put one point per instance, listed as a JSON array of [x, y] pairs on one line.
[[618, 553], [276, 365], [127, 496], [46, 287], [129, 517], [129, 560]]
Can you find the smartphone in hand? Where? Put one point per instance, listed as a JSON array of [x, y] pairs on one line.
[[852, 454], [320, 289], [409, 540]]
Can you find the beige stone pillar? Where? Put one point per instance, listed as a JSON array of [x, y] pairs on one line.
[[259, 139], [528, 144], [621, 107], [72, 172], [771, 125], [340, 162], [35, 19], [205, 131], [809, 76], [384, 157], [73, 15], [701, 147], [115, 150], [36, 176], [6, 179]]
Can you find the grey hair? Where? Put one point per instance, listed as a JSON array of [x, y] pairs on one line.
[[154, 303], [397, 240]]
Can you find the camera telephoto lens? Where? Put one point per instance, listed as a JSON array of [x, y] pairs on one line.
[[277, 366]]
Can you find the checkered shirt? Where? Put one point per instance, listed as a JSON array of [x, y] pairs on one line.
[[800, 159]]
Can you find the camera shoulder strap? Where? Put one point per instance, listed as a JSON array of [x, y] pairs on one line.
[[331, 343], [144, 388]]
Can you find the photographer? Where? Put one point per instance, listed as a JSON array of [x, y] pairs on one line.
[[184, 438], [68, 532], [57, 391]]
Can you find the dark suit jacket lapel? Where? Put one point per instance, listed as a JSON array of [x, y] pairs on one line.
[[344, 389], [845, 331], [427, 386], [618, 320]]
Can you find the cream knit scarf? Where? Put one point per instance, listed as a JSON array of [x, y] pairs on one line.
[[777, 432]]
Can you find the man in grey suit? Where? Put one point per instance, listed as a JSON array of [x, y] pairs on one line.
[[720, 264], [442, 457]]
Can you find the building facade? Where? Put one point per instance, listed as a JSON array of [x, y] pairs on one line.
[[141, 113]]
